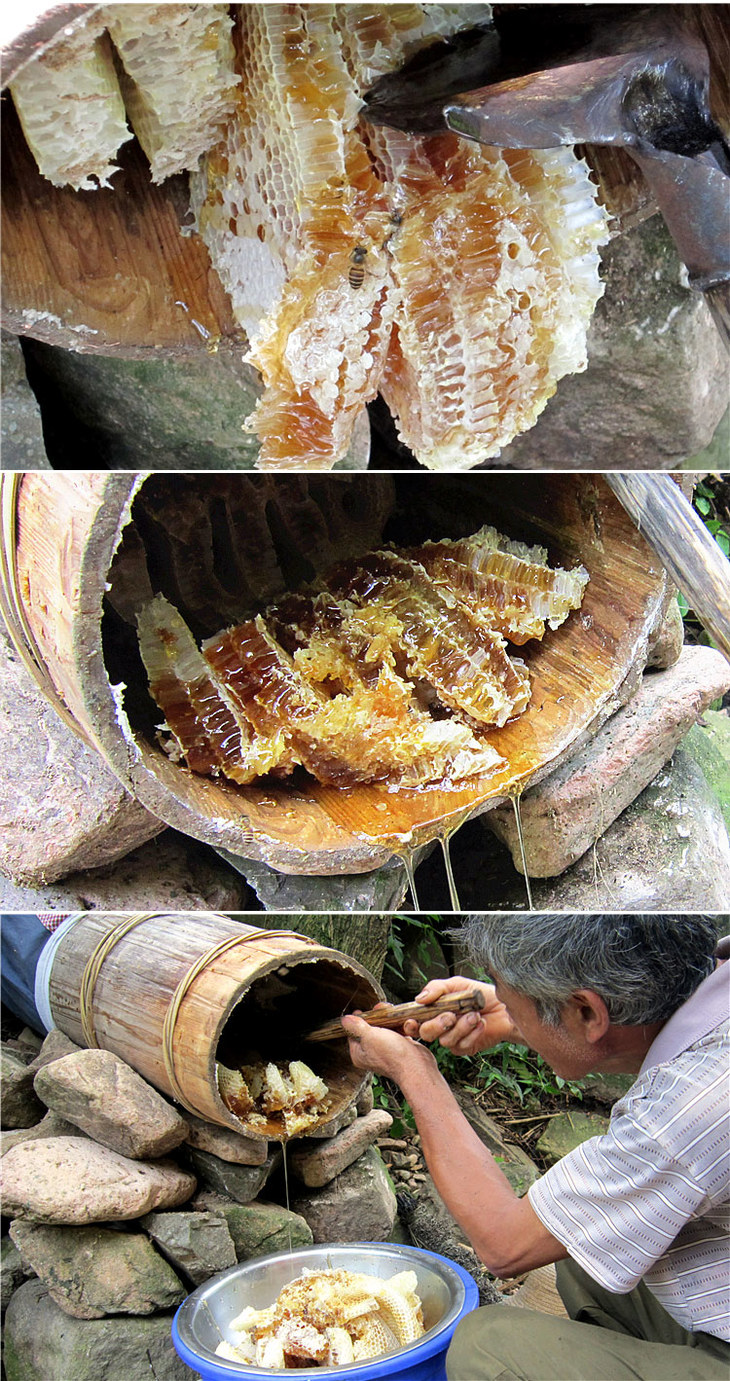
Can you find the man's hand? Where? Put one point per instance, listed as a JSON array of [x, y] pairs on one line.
[[470, 1032], [383, 1051]]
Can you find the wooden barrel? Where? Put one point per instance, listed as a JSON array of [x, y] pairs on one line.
[[84, 550], [174, 995]]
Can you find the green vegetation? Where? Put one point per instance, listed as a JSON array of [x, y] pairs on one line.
[[711, 501]]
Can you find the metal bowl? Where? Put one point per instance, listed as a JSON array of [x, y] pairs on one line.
[[446, 1292]]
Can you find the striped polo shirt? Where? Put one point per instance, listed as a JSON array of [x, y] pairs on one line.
[[649, 1200]]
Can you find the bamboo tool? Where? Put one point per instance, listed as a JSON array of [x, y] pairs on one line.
[[392, 1017], [666, 519]]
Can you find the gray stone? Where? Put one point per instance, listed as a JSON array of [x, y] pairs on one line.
[[19, 1105], [224, 1143], [82, 816], [197, 1244], [92, 1272], [259, 1228], [30, 1041], [667, 641], [42, 1343], [72, 1180], [606, 1089], [512, 1160], [54, 1047], [365, 1101], [317, 1165], [239, 1182], [430, 1226], [23, 447], [50, 1125], [172, 414], [358, 1206], [568, 1130], [99, 1093], [564, 815], [12, 1271], [668, 852], [384, 889], [171, 873], [656, 385]]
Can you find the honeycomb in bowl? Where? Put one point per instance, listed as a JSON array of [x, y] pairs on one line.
[[328, 1318]]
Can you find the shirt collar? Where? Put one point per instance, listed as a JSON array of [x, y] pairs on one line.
[[708, 1006]]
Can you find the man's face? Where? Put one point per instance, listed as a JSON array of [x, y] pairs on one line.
[[565, 1047]]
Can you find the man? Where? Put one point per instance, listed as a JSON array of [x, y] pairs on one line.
[[636, 1219]]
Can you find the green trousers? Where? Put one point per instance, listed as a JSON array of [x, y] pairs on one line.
[[607, 1338]]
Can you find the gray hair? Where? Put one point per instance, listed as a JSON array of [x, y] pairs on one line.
[[644, 967]]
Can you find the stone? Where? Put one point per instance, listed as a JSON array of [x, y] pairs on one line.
[[382, 889], [240, 1182], [224, 1143], [197, 1244], [12, 1271], [22, 430], [20, 1106], [159, 414], [668, 852], [82, 816], [430, 1226], [358, 1206], [171, 873], [568, 811], [667, 641], [50, 1125], [99, 1093], [54, 1047], [512, 1160], [92, 1272], [317, 1165], [30, 1040], [708, 742], [656, 385], [42, 1343], [259, 1228], [72, 1180], [568, 1130], [365, 1101], [606, 1089]]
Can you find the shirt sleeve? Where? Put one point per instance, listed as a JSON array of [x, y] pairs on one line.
[[618, 1201]]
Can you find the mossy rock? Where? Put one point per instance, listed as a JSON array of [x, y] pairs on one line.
[[568, 1130], [709, 744]]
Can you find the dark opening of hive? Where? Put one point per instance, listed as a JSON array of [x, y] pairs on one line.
[[272, 1020]]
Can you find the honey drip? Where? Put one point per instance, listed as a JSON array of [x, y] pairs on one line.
[[406, 859], [445, 841], [518, 822]]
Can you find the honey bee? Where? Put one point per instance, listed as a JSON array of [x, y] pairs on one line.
[[356, 275]]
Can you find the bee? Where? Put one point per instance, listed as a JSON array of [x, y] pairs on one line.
[[356, 275]]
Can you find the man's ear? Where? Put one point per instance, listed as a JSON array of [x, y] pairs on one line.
[[586, 1015]]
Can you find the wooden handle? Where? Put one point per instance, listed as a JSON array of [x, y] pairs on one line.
[[471, 1001], [684, 546]]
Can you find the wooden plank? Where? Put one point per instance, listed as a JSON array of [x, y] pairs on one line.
[[106, 271]]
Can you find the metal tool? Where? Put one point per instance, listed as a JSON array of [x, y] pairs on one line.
[[393, 1017], [641, 83]]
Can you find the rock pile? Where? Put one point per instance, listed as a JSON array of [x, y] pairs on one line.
[[119, 1205]]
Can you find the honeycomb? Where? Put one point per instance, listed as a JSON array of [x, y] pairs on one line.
[[457, 281], [260, 1091], [388, 668]]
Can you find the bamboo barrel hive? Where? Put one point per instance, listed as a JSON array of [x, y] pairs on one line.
[[82, 550], [177, 995]]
